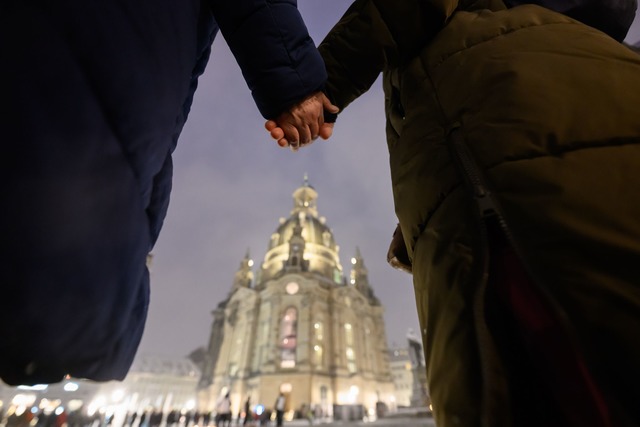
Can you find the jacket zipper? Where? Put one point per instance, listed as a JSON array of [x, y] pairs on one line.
[[492, 416]]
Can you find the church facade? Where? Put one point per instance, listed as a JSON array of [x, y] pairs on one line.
[[300, 326]]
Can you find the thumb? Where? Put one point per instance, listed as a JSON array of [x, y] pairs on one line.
[[327, 105]]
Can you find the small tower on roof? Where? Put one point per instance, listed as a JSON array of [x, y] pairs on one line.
[[244, 276], [360, 277]]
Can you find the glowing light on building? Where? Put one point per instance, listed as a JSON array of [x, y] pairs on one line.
[[23, 399], [36, 387], [96, 404], [71, 387], [117, 395], [286, 388]]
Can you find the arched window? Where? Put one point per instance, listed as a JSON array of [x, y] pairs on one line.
[[349, 344], [324, 404], [317, 356], [318, 350], [288, 340], [370, 344], [318, 329], [326, 238]]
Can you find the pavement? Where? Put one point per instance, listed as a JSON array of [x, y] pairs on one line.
[[411, 421]]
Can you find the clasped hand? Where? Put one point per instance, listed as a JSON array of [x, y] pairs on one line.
[[303, 123]]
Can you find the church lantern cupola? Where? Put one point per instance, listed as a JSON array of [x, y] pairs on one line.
[[304, 199], [303, 241]]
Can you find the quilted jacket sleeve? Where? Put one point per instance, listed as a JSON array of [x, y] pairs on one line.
[[376, 34], [270, 41]]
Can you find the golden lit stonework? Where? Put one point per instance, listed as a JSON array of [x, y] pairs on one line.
[[299, 326]]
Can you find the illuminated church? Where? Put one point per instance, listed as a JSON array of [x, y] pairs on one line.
[[299, 326]]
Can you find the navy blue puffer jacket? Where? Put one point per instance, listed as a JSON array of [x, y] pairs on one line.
[[94, 94]]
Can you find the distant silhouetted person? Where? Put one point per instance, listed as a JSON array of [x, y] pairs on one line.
[[248, 415], [279, 407], [223, 411]]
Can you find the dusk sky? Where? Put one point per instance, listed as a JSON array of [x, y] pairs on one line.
[[232, 184]]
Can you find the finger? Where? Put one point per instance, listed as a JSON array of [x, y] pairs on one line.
[[326, 130], [277, 133], [291, 135], [305, 134], [314, 128], [270, 125]]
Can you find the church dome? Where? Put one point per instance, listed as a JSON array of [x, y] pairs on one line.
[[320, 248], [314, 230]]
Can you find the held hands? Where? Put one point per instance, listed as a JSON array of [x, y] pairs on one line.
[[303, 123]]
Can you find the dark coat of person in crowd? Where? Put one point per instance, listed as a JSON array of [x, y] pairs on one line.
[[94, 97], [248, 415], [514, 142]]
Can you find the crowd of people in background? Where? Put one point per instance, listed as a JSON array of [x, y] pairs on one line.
[[249, 415]]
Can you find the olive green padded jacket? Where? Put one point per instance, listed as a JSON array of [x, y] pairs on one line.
[[550, 111]]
